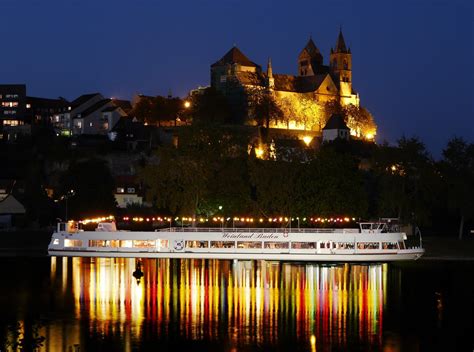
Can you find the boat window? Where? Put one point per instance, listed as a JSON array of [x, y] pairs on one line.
[[303, 245], [72, 243], [197, 244], [368, 245], [163, 243], [327, 245], [275, 245], [114, 243], [345, 245], [365, 226], [56, 241], [126, 244], [390, 245], [98, 243], [222, 244], [144, 243], [401, 244], [249, 244]]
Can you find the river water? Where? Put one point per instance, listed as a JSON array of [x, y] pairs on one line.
[[84, 304]]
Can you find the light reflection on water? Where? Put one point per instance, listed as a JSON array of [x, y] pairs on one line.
[[245, 303]]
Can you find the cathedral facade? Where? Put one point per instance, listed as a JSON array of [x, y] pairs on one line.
[[301, 97]]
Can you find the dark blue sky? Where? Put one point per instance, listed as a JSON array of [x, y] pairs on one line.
[[412, 59]]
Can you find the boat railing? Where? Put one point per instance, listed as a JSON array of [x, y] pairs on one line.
[[258, 230], [69, 227]]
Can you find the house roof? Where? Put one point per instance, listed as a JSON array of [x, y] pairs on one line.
[[47, 102], [126, 105], [10, 205], [110, 108], [82, 99], [94, 107], [336, 122], [235, 56]]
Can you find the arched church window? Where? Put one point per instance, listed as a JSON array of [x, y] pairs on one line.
[[334, 63], [345, 64]]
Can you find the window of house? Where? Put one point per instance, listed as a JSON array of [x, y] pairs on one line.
[[130, 190], [11, 123], [120, 190], [90, 124], [9, 104]]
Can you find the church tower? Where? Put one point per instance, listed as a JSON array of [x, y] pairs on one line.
[[309, 60], [341, 65]]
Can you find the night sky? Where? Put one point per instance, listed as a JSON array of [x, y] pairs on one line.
[[413, 60]]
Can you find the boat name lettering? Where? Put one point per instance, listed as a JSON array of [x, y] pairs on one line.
[[249, 235]]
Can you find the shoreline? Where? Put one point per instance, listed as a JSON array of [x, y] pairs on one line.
[[35, 243]]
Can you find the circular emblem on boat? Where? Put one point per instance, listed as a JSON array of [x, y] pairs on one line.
[[178, 245]]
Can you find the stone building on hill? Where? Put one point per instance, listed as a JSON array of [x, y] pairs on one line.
[[303, 98]]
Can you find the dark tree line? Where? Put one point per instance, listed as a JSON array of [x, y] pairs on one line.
[[212, 169]]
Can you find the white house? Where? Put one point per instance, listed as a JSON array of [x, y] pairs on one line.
[[336, 128]]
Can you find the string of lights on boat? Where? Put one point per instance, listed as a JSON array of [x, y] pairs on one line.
[[220, 220]]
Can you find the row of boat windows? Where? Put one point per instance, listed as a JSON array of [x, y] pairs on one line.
[[233, 244]]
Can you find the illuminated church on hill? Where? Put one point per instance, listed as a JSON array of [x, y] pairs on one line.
[[301, 97]]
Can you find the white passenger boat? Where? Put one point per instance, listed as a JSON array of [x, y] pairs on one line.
[[371, 242]]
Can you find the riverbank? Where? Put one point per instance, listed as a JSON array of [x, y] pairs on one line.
[[35, 243], [441, 248], [24, 243]]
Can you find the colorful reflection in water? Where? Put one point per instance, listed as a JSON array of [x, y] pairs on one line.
[[244, 303]]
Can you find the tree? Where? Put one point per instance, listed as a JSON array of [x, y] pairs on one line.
[[457, 169], [206, 171], [93, 187], [333, 185], [165, 109], [143, 109], [358, 118], [263, 106], [406, 180], [209, 107]]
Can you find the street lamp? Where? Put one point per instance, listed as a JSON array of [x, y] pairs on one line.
[[68, 194]]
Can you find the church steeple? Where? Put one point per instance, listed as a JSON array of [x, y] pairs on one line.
[[270, 79], [341, 44], [341, 65]]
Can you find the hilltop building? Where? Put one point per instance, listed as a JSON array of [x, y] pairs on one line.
[[301, 97]]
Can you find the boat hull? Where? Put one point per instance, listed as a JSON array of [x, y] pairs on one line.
[[404, 255]]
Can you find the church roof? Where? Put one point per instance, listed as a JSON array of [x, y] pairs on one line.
[[235, 56], [287, 83], [301, 84], [312, 49], [336, 122]]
